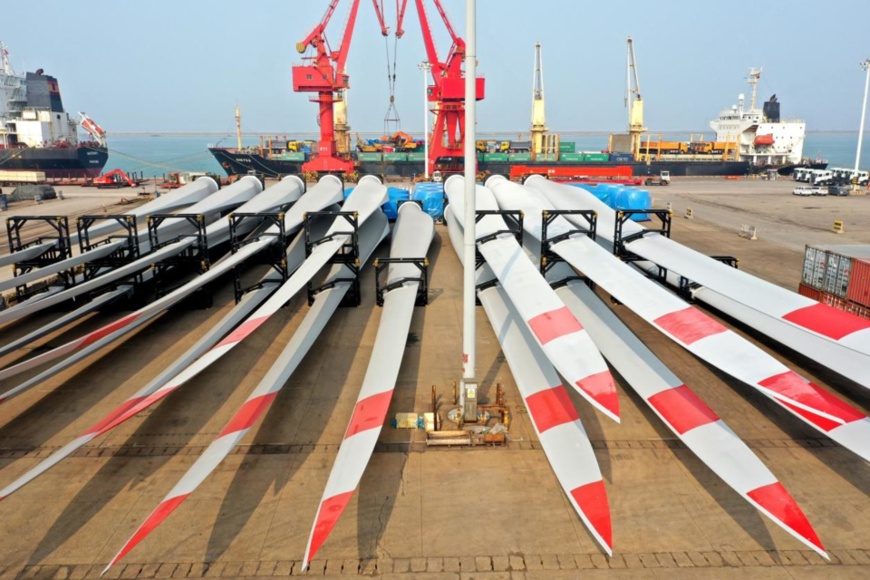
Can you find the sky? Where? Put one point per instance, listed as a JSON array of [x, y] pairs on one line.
[[180, 65]]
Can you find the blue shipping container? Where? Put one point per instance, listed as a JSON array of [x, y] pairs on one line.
[[621, 158]]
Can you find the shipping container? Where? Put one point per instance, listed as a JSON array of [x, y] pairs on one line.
[[596, 157], [393, 157], [495, 156], [834, 301], [859, 282], [417, 156], [567, 147], [829, 268], [291, 156], [363, 156], [571, 157], [809, 292], [621, 158], [520, 157], [549, 157]]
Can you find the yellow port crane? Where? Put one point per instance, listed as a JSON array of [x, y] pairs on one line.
[[539, 118], [633, 101]]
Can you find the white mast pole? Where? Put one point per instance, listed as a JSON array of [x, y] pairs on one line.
[[426, 67], [468, 310], [866, 66]]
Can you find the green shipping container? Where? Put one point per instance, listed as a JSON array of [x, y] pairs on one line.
[[574, 157], [291, 156], [393, 157], [545, 157], [567, 147], [417, 156], [495, 157], [363, 156], [519, 157], [596, 157]]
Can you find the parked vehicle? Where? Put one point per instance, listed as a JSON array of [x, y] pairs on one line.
[[803, 190]]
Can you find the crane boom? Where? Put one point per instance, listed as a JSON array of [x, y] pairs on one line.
[[447, 92], [633, 100]]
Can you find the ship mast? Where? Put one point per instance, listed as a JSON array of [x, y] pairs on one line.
[[752, 79], [4, 58], [238, 127]]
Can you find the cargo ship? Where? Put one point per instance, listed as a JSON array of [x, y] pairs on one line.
[[748, 141], [36, 134]]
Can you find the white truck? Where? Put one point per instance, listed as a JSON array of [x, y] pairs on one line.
[[664, 178]]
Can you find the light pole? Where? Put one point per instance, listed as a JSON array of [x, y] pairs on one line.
[[866, 66], [468, 392], [425, 66]]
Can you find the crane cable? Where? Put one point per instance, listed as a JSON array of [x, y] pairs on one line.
[[392, 114]]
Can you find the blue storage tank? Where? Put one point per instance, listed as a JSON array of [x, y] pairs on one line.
[[631, 198], [606, 192], [599, 190], [431, 193], [391, 208]]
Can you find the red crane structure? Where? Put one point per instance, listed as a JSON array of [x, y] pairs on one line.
[[447, 93], [325, 75]]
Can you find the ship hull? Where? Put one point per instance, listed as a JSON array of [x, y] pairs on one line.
[[56, 163], [235, 163]]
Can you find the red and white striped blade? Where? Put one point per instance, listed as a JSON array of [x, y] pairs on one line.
[[259, 401], [687, 416], [154, 392], [692, 329], [317, 198], [411, 238], [555, 329], [836, 339], [83, 351], [553, 415], [68, 318]]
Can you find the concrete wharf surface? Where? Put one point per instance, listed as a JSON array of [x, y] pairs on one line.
[[430, 512]]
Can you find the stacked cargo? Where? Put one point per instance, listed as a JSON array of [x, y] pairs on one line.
[[495, 157], [571, 157], [519, 157], [291, 156], [567, 147], [838, 275], [545, 157], [595, 157], [417, 156], [368, 156], [394, 157]]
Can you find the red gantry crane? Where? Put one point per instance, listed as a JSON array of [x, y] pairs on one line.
[[325, 75], [447, 93]]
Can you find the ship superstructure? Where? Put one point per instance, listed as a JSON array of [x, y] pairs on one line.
[[37, 134], [763, 137]]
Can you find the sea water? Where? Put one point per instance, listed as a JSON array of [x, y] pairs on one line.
[[157, 154]]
